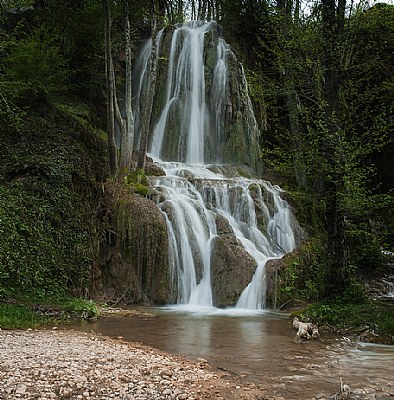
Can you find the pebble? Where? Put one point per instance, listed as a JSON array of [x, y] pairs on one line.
[[55, 363]]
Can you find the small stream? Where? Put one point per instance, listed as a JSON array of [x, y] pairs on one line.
[[258, 346]]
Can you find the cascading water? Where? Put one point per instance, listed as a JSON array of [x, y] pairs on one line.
[[205, 120]]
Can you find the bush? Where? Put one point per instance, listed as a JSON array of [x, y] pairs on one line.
[[366, 253], [306, 272], [37, 63], [366, 318]]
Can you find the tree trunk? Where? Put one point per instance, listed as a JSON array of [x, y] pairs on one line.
[[337, 273], [284, 9], [295, 129], [126, 125], [129, 111], [113, 162], [119, 119], [147, 113]]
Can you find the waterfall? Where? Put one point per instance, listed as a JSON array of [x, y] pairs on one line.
[[204, 122]]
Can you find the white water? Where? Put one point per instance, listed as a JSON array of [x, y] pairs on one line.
[[191, 196], [185, 91]]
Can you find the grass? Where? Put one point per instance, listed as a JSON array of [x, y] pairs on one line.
[[370, 319], [31, 311], [18, 316]]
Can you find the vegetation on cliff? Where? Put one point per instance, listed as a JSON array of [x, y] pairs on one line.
[[49, 170]]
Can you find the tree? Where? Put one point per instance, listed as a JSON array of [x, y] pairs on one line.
[[288, 30], [327, 104], [110, 88], [147, 112], [126, 154], [333, 17], [126, 122]]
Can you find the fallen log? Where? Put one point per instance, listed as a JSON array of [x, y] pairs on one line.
[[305, 330]]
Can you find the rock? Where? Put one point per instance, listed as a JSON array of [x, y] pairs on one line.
[[275, 271], [134, 263], [21, 389], [166, 372], [232, 268], [153, 169], [70, 365]]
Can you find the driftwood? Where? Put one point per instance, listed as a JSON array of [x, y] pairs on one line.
[[305, 330]]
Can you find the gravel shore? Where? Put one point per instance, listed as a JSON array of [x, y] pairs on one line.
[[57, 364]]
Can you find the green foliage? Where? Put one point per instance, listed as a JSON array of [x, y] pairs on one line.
[[36, 62], [32, 72], [42, 244], [304, 277], [81, 33], [16, 316], [80, 111], [11, 114], [83, 307], [49, 162], [31, 310], [7, 4], [338, 158], [137, 181], [366, 252], [52, 49], [364, 317], [46, 224]]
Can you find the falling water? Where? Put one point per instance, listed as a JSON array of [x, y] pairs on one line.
[[190, 142]]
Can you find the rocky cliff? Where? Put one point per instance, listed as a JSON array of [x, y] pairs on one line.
[[132, 263]]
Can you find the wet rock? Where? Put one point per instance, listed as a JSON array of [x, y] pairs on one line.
[[382, 288], [133, 265], [275, 279], [232, 268], [153, 169]]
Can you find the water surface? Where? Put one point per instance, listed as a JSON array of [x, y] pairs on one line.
[[259, 347]]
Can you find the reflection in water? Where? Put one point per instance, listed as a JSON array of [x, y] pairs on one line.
[[258, 346]]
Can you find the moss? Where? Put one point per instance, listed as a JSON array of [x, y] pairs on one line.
[[49, 178], [141, 189], [137, 181], [303, 273], [134, 266]]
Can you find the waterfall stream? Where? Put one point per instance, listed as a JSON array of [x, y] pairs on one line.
[[204, 121]]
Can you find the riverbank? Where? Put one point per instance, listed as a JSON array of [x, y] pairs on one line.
[[57, 364]]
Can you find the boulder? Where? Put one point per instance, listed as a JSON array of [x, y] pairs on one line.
[[153, 169], [273, 270], [232, 268], [276, 271]]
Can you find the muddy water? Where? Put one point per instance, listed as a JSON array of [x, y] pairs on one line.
[[259, 347]]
